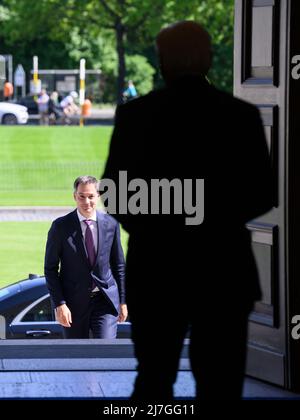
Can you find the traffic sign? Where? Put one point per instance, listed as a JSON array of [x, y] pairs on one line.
[[35, 86], [19, 76]]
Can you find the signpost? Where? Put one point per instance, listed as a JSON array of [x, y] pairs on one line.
[[2, 72], [81, 88], [35, 84], [20, 80], [2, 68]]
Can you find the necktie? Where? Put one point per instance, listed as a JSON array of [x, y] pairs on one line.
[[89, 243]]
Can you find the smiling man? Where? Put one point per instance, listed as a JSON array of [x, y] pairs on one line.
[[85, 266]]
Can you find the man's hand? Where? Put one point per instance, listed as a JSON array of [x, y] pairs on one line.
[[123, 313], [63, 315]]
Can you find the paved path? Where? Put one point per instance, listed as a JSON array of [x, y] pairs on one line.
[[32, 214], [97, 117], [108, 384]]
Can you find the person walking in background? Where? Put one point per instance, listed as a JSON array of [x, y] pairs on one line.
[[201, 276], [69, 107], [43, 107], [8, 90], [85, 267], [54, 109], [130, 92]]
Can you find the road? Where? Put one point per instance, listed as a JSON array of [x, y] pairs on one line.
[[97, 117], [32, 214]]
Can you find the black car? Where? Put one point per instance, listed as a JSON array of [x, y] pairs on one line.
[[30, 103], [26, 310]]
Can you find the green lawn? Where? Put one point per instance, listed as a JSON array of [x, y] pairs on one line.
[[22, 249], [39, 164]]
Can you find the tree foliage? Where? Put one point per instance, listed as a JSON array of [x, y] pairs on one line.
[[115, 35], [139, 70]]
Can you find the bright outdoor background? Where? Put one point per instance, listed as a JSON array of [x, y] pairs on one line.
[[38, 166], [117, 37], [22, 249]]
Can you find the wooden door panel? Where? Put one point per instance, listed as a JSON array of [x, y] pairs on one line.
[[258, 80], [260, 47], [267, 74], [265, 249]]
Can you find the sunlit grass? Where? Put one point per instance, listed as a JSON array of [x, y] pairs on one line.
[[39, 164], [22, 249]]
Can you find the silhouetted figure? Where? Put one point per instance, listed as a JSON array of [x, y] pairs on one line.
[[199, 277]]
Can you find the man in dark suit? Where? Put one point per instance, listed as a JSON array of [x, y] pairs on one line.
[[199, 276], [84, 267]]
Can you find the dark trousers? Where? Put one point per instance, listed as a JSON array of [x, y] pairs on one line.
[[217, 352], [185, 288], [100, 321]]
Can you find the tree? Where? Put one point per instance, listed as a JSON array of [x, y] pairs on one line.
[[217, 16], [40, 20], [56, 21], [108, 32], [124, 17]]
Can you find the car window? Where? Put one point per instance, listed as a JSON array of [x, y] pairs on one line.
[[39, 313]]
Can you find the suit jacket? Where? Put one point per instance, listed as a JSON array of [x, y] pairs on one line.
[[191, 130], [68, 273]]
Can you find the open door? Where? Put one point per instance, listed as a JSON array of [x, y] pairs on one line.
[[266, 39]]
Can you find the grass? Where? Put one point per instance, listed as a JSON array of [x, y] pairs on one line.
[[37, 198], [22, 249], [39, 164]]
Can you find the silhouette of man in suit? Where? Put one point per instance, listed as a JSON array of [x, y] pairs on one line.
[[85, 267], [199, 277]]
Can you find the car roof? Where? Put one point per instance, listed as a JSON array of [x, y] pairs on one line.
[[10, 107], [21, 286]]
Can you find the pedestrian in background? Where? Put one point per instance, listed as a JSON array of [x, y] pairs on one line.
[[43, 107], [130, 92], [8, 90]]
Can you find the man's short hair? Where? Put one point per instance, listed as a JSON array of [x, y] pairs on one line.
[[86, 179], [184, 48]]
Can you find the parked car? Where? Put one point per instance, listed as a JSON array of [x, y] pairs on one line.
[[26, 308], [11, 114], [30, 104]]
